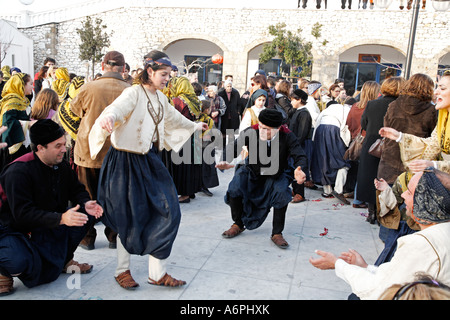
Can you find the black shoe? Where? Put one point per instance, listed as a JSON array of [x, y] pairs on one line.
[[187, 200], [207, 192], [340, 197], [326, 195]]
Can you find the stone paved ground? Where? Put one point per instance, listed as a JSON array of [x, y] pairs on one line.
[[248, 267]]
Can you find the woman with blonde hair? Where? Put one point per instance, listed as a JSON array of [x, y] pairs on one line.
[[371, 121], [424, 287], [369, 91], [45, 105]]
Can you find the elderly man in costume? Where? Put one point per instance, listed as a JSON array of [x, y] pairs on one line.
[[274, 158], [39, 233], [427, 201]]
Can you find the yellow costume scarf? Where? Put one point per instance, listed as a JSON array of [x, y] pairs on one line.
[[6, 73], [180, 87], [62, 82], [69, 120], [443, 130], [13, 95], [13, 98]]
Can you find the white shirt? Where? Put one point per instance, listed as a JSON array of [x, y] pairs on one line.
[[414, 254]]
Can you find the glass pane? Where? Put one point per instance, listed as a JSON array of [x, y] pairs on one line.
[[347, 71], [206, 70], [272, 68], [366, 72]]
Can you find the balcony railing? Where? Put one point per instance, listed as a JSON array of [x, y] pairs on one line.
[[29, 19], [362, 4]]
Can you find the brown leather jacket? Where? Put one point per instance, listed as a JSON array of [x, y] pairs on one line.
[[90, 102]]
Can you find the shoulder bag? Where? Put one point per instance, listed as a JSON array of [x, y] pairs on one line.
[[376, 148], [354, 149]]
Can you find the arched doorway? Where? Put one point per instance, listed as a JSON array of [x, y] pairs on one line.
[[193, 58], [369, 63], [275, 67]]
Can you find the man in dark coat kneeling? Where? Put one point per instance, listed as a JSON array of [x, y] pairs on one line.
[[39, 232], [274, 158]]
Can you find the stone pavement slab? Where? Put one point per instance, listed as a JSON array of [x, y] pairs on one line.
[[248, 267]]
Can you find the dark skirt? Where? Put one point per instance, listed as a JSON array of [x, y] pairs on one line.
[[140, 202], [187, 175], [328, 155], [308, 147], [259, 194], [209, 170]]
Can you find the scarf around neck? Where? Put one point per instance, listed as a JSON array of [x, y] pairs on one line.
[[443, 130]]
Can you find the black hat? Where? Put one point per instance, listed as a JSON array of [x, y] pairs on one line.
[[301, 94], [271, 118], [45, 131]]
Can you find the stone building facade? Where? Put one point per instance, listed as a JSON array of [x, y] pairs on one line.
[[235, 32]]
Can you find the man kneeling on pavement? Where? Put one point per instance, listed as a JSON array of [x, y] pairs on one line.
[[38, 233], [262, 182]]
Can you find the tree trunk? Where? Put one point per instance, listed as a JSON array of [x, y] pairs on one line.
[[93, 69]]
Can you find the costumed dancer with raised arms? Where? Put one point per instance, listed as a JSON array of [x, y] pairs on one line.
[[135, 188]]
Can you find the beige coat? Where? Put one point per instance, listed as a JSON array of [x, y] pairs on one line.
[[90, 102], [134, 127]]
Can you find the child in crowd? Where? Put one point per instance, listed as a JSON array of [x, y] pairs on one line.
[[250, 116], [209, 171]]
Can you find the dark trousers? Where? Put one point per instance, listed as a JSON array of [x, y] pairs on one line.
[[298, 188], [40, 258], [279, 215], [89, 177]]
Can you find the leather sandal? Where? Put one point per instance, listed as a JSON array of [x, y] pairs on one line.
[[126, 281], [279, 241], [6, 285], [76, 267], [233, 231], [167, 281]]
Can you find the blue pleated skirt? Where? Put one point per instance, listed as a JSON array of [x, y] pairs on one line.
[[328, 155], [140, 202]]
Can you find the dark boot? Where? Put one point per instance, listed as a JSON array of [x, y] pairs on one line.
[[88, 241], [372, 218], [111, 235]]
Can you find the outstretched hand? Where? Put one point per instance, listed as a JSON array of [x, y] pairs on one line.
[[93, 208], [419, 165], [353, 257], [223, 165], [299, 175], [73, 218], [389, 133], [107, 123], [380, 184], [202, 126], [326, 261]]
